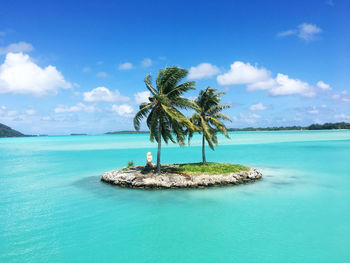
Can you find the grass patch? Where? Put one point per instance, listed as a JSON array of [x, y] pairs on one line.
[[210, 168], [194, 169]]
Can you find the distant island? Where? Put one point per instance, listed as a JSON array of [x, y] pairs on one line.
[[127, 132], [6, 131], [326, 126]]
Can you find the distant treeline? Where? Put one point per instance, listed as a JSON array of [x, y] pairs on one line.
[[326, 126], [127, 132]]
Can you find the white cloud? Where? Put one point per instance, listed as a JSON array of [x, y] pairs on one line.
[[125, 66], [141, 97], [313, 110], [342, 96], [147, 62], [304, 31], [2, 110], [257, 107], [19, 74], [323, 86], [103, 94], [250, 118], [287, 33], [31, 112], [308, 31], [78, 107], [243, 73], [287, 86], [342, 116], [336, 96], [124, 110], [260, 79], [16, 47], [102, 74], [262, 85], [86, 69], [202, 71], [9, 115]]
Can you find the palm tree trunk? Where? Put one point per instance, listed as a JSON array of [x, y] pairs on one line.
[[159, 147], [203, 150]]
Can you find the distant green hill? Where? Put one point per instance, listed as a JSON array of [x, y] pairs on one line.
[[6, 131], [326, 126]]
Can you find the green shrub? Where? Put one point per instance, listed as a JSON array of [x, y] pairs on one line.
[[130, 164]]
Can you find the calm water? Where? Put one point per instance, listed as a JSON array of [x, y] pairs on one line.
[[53, 207]]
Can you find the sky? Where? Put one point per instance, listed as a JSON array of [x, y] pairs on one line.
[[78, 66]]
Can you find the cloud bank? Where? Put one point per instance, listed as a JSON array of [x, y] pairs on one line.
[[103, 94], [125, 66], [304, 31], [20, 75], [142, 96], [203, 71], [16, 48], [256, 78]]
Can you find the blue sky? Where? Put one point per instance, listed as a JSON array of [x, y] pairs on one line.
[[78, 66]]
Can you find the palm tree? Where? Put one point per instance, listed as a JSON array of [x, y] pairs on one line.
[[162, 111], [207, 118]]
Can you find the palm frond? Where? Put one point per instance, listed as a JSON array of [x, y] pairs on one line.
[[154, 128], [184, 103], [178, 116], [214, 138], [218, 124], [180, 89], [221, 116], [148, 82], [170, 78], [166, 129], [179, 131], [141, 114], [209, 141], [217, 108], [204, 126]]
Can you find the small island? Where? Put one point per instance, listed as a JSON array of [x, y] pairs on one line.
[[6, 131], [167, 123], [190, 175]]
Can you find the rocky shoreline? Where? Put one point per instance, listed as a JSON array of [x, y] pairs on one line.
[[133, 179]]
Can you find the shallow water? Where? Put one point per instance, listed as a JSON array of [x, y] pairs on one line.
[[53, 207]]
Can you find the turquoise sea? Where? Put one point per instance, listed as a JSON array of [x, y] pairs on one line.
[[54, 208]]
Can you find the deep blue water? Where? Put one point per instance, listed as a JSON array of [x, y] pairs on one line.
[[54, 208]]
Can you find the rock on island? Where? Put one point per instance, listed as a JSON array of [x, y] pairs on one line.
[[136, 178]]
